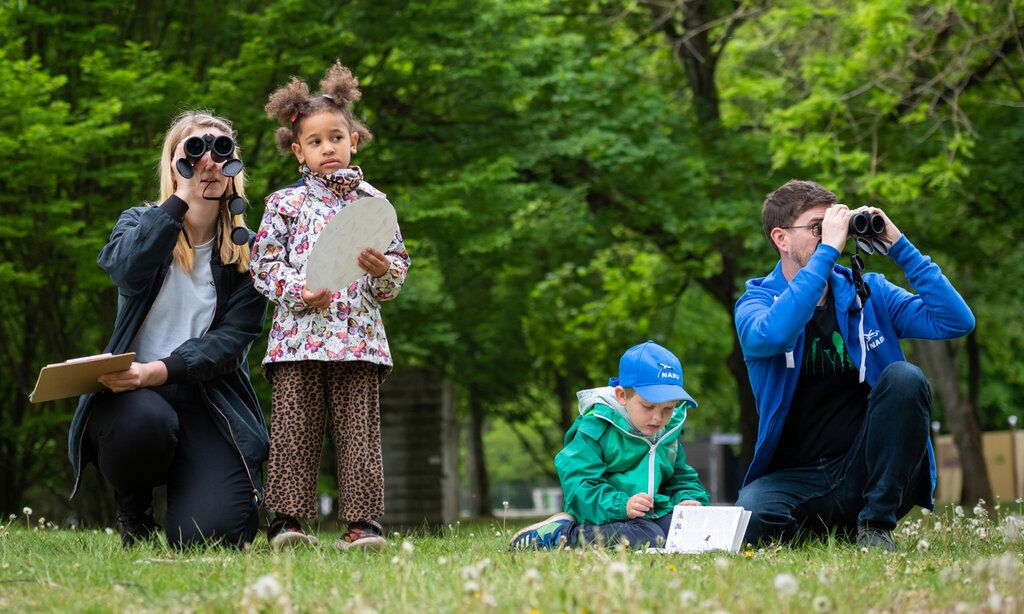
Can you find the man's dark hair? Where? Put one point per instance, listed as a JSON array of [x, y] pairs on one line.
[[787, 203]]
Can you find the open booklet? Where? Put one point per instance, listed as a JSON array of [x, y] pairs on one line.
[[703, 529]]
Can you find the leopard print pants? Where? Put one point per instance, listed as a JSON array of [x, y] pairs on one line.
[[306, 395]]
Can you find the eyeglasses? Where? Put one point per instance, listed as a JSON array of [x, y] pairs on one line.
[[815, 228]]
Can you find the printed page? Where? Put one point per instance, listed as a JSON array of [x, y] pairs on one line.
[[702, 529]]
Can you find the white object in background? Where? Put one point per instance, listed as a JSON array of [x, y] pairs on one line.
[[367, 222]]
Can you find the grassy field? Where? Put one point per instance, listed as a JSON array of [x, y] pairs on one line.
[[953, 561]]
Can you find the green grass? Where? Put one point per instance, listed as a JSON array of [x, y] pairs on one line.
[[945, 562]]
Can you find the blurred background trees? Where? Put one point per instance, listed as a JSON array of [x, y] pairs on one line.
[[571, 176]]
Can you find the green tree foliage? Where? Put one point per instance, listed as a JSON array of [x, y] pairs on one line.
[[571, 176]]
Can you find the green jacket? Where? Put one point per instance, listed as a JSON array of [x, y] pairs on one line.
[[605, 461]]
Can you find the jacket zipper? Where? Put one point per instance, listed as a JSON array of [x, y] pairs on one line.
[[650, 453], [863, 346], [255, 491]]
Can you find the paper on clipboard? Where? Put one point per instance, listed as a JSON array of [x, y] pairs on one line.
[[367, 222], [77, 376]]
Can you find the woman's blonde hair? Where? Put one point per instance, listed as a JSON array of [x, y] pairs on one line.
[[183, 254]]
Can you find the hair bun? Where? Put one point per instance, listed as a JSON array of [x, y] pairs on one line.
[[340, 85]]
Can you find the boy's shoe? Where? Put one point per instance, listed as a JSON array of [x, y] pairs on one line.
[[286, 532], [544, 535], [363, 535], [875, 537], [136, 528]]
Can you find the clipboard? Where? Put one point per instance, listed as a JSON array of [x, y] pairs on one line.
[[77, 376]]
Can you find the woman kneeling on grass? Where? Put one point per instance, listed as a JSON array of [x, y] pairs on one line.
[[185, 413]]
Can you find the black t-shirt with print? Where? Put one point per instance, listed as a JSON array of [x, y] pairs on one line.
[[829, 404]]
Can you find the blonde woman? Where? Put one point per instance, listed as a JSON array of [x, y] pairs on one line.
[[184, 414]]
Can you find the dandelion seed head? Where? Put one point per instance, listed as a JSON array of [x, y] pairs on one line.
[[786, 584], [721, 563], [27, 511], [407, 548], [108, 531], [825, 576], [265, 588], [923, 545], [950, 574], [687, 599], [821, 604]]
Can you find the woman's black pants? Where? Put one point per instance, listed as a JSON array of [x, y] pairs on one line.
[[166, 435]]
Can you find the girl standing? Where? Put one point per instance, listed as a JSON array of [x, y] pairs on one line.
[[327, 352]]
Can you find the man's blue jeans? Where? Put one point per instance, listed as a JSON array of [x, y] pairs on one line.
[[876, 483]]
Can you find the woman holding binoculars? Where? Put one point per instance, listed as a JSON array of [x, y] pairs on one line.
[[184, 414]]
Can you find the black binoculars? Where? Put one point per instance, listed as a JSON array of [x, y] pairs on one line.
[[866, 224], [221, 149], [868, 229]]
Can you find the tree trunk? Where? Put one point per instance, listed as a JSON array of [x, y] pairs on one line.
[[566, 406], [940, 360], [745, 394], [476, 462]]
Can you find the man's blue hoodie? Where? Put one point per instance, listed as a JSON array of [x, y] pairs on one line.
[[772, 314]]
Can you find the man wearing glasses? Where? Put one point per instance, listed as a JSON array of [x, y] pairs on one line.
[[842, 442]]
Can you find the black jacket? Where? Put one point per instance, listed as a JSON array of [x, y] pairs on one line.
[[137, 257]]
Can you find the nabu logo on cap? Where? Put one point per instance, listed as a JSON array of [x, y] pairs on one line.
[[668, 372]]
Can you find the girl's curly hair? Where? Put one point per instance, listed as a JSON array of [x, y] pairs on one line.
[[291, 103]]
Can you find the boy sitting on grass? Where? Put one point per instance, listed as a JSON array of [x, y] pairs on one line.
[[623, 468]]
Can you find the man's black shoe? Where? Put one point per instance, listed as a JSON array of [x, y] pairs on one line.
[[136, 527], [875, 537]]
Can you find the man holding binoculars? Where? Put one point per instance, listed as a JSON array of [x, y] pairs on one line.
[[842, 444]]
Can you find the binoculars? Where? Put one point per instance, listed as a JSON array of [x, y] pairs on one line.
[[866, 224], [221, 149], [868, 229]]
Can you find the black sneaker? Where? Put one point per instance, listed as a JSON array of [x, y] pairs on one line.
[[286, 532], [136, 527], [875, 537], [365, 535]]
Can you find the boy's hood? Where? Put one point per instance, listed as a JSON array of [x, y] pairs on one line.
[[605, 396]]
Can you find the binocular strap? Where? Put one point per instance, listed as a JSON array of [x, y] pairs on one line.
[[857, 266]]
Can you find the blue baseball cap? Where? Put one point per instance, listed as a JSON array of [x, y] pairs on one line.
[[654, 372]]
